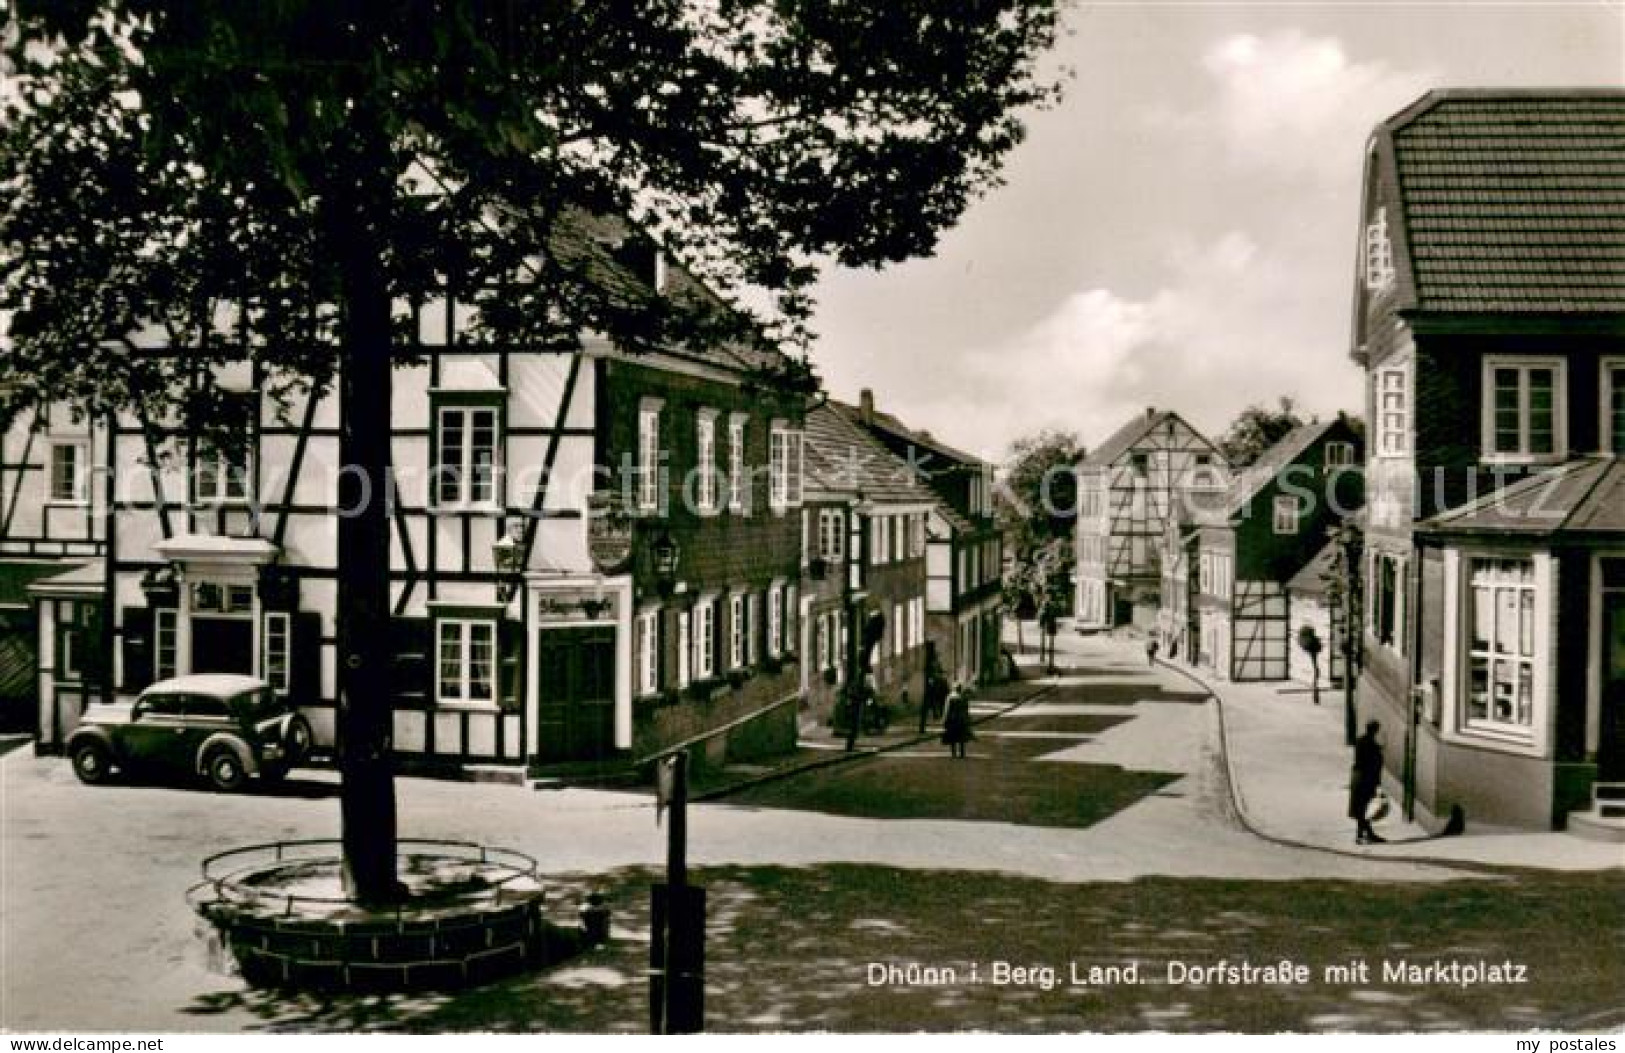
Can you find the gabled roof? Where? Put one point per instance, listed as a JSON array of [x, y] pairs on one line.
[[1511, 201], [1584, 497], [889, 423], [1130, 434], [843, 461], [1311, 580], [1288, 448]]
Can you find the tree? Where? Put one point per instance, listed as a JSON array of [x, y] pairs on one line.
[[1309, 642], [1345, 598], [316, 164], [1256, 430], [1036, 500]]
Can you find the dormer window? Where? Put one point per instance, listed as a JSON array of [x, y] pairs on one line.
[[1378, 253]]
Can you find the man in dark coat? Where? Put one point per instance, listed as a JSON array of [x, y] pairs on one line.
[[956, 730], [1363, 784]]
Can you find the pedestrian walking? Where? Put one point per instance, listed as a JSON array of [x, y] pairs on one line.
[[1364, 781], [956, 731], [1151, 650]]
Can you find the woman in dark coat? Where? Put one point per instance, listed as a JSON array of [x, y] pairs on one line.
[[1363, 784], [956, 722]]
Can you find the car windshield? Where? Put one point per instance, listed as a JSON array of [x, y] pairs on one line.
[[261, 702]]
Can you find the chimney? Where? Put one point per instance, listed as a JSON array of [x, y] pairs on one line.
[[866, 406], [1150, 412]]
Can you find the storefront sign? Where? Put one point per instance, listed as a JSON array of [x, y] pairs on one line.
[[576, 605]]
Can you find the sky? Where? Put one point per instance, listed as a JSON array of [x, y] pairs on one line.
[[1180, 230]]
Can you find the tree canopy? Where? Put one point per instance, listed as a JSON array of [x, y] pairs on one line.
[[1036, 500], [1257, 429]]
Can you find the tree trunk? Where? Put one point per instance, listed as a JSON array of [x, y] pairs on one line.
[[365, 691]]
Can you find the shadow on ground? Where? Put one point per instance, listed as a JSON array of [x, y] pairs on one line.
[[791, 949]]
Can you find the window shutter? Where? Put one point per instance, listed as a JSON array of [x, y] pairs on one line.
[[137, 648], [414, 661], [305, 659]]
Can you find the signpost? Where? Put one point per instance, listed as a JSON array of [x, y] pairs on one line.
[[677, 919]]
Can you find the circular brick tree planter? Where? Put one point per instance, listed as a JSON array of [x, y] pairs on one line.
[[277, 915]]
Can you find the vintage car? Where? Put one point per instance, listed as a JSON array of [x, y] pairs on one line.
[[225, 728]]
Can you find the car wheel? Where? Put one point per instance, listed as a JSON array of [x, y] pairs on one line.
[[299, 739], [92, 762], [225, 770]]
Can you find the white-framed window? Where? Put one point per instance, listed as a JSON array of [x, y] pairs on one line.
[[1339, 454], [775, 620], [225, 599], [219, 477], [753, 621], [705, 460], [880, 540], [822, 633], [738, 474], [737, 630], [1523, 408], [784, 465], [70, 472], [276, 652], [647, 471], [899, 630], [685, 648], [165, 644], [919, 621], [1287, 510], [466, 456], [1501, 645], [466, 670], [1378, 253], [705, 639], [1392, 399], [648, 630], [1612, 418], [831, 535]]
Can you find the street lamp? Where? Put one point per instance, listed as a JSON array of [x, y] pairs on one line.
[[508, 556], [666, 555]]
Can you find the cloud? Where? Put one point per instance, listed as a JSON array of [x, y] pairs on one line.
[[1289, 104]]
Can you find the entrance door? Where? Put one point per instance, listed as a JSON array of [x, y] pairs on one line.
[[575, 693], [1611, 727], [223, 645]]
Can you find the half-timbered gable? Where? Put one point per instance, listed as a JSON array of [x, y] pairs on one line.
[[1489, 313], [1128, 487]]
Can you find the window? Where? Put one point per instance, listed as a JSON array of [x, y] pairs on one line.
[[465, 462], [1523, 408], [775, 620], [70, 478], [737, 628], [1393, 412], [831, 543], [753, 619], [1378, 253], [784, 466], [880, 534], [1286, 514], [1613, 406], [467, 665], [684, 648], [1501, 650], [899, 633], [1388, 600], [219, 477], [738, 477], [1339, 454], [1139, 462], [705, 639], [275, 654], [705, 460], [822, 632], [648, 630], [165, 650], [647, 472], [227, 599]]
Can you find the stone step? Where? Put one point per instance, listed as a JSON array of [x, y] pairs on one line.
[[1594, 827], [1609, 791], [1611, 810]]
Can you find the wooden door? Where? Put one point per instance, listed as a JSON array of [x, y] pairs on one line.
[[575, 694]]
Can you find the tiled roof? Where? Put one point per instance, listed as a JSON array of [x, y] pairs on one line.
[[842, 461], [1311, 580], [1513, 201], [1581, 497], [924, 440], [1129, 435], [1287, 449]]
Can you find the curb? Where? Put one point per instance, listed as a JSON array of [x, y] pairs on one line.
[[842, 757], [1251, 827]]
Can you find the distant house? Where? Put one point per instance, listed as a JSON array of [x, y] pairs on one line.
[[964, 549], [1489, 315], [1240, 558], [1313, 606], [1129, 487], [864, 539]]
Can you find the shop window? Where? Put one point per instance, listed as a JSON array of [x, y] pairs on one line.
[[1501, 646]]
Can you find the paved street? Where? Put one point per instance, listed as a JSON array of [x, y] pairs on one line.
[[1092, 823]]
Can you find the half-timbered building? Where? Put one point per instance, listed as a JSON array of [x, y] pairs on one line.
[[964, 548], [594, 553], [1489, 315], [1128, 488], [1244, 555]]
